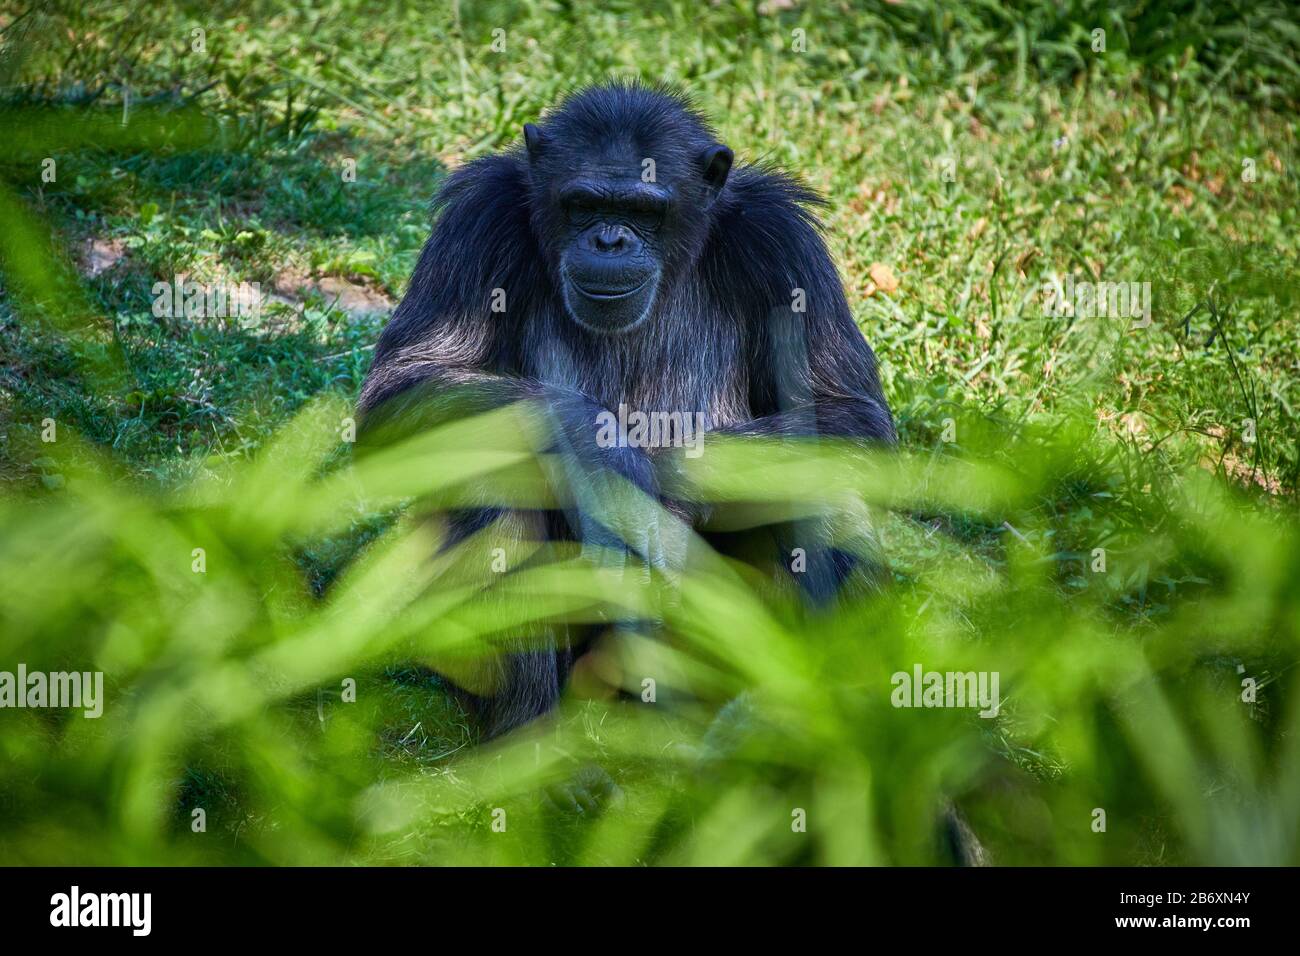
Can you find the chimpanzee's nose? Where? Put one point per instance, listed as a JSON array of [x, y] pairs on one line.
[[611, 239]]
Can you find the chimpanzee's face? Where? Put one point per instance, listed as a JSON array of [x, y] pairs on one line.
[[614, 250], [618, 221]]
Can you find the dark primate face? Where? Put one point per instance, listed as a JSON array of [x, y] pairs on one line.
[[621, 202], [610, 261]]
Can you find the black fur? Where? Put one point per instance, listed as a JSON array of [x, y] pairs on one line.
[[720, 338]]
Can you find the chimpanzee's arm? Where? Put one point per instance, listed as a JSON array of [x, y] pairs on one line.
[[444, 354], [810, 371]]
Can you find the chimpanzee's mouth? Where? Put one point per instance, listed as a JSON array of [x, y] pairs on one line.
[[605, 302], [608, 293]]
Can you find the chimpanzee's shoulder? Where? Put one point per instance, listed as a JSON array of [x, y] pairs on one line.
[[766, 234], [496, 184]]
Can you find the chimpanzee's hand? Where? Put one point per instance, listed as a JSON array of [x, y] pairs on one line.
[[618, 519], [612, 493], [584, 793], [680, 496]]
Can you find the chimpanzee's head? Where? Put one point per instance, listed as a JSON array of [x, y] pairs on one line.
[[623, 178]]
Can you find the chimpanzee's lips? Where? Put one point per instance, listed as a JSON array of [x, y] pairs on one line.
[[609, 300], [609, 293]]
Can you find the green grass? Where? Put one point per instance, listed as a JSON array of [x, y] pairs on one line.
[[978, 153]]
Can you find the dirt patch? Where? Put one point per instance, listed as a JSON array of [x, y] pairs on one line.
[[100, 255], [292, 287]]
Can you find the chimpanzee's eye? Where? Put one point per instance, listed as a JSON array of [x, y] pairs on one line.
[[646, 213], [580, 208], [647, 219]]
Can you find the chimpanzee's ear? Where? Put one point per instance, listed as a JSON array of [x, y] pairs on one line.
[[717, 164], [535, 140]]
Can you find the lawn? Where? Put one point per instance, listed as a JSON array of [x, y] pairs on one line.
[[1101, 508]]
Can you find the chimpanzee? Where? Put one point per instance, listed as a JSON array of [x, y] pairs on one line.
[[616, 263]]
